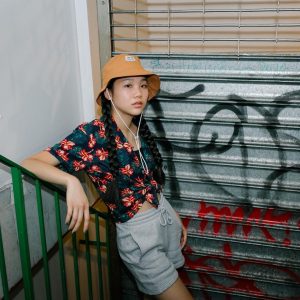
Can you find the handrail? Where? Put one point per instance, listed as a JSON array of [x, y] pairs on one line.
[[52, 187], [17, 173]]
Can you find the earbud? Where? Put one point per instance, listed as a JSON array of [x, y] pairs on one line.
[[108, 93]]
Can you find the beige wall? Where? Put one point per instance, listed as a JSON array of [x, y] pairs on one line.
[[94, 44]]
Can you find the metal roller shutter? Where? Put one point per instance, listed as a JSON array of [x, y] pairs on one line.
[[227, 122], [230, 140]]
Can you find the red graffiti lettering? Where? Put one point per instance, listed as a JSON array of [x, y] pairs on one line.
[[225, 217], [208, 272]]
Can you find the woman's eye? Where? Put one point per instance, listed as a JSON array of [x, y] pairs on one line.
[[144, 86], [128, 85]]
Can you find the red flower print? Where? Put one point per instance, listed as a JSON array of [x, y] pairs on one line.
[[137, 205], [108, 176], [92, 141], [62, 154], [85, 155], [112, 206], [102, 188], [101, 133], [67, 145], [78, 165], [139, 182], [81, 127], [154, 183], [103, 181], [149, 198], [101, 130], [128, 147], [136, 161], [127, 201], [99, 123], [118, 142], [94, 168], [143, 191], [130, 214], [101, 154], [126, 192], [127, 170]]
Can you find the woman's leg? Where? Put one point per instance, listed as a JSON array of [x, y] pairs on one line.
[[177, 291]]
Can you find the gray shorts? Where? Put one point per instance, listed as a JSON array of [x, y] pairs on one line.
[[149, 245]]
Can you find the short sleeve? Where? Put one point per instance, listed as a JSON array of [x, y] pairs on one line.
[[76, 151]]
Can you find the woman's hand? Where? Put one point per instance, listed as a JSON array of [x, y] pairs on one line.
[[183, 236], [78, 206], [183, 239]]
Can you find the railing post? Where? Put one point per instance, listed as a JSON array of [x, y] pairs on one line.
[[75, 264], [99, 259], [43, 239], [88, 265], [22, 232], [3, 270], [24, 249], [60, 247], [113, 262]]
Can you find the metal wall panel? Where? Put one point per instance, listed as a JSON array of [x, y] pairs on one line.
[[228, 129], [229, 133]]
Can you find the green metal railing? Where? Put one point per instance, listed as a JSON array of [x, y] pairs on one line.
[[24, 248]]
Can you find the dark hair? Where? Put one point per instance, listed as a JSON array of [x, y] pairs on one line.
[[112, 193], [145, 133]]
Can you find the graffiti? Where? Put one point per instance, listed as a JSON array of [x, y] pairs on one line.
[[238, 283], [257, 216], [223, 217], [270, 122], [226, 270]]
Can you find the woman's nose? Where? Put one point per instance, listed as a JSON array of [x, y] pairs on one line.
[[138, 91]]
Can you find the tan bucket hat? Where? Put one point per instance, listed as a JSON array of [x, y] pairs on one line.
[[125, 65]]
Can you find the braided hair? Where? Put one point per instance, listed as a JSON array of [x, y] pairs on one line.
[[112, 192], [145, 133]]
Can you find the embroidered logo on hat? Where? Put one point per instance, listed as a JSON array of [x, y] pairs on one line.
[[129, 58]]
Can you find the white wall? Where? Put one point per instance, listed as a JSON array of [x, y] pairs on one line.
[[40, 76], [45, 91]]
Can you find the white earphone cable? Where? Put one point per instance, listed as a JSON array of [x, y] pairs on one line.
[[136, 137]]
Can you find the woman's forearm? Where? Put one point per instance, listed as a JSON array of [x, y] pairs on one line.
[[48, 172], [43, 165]]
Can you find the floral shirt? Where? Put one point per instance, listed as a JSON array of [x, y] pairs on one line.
[[86, 149]]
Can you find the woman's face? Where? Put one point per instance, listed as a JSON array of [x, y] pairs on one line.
[[129, 94]]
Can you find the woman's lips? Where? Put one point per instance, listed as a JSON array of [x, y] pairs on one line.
[[137, 104]]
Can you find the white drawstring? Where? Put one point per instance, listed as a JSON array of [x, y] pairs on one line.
[[136, 137], [165, 217]]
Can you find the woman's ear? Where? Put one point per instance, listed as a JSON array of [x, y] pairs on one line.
[[107, 94]]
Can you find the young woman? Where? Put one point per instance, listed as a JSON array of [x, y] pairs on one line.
[[121, 158]]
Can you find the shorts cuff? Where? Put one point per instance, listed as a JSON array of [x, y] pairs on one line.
[[162, 288], [179, 264]]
